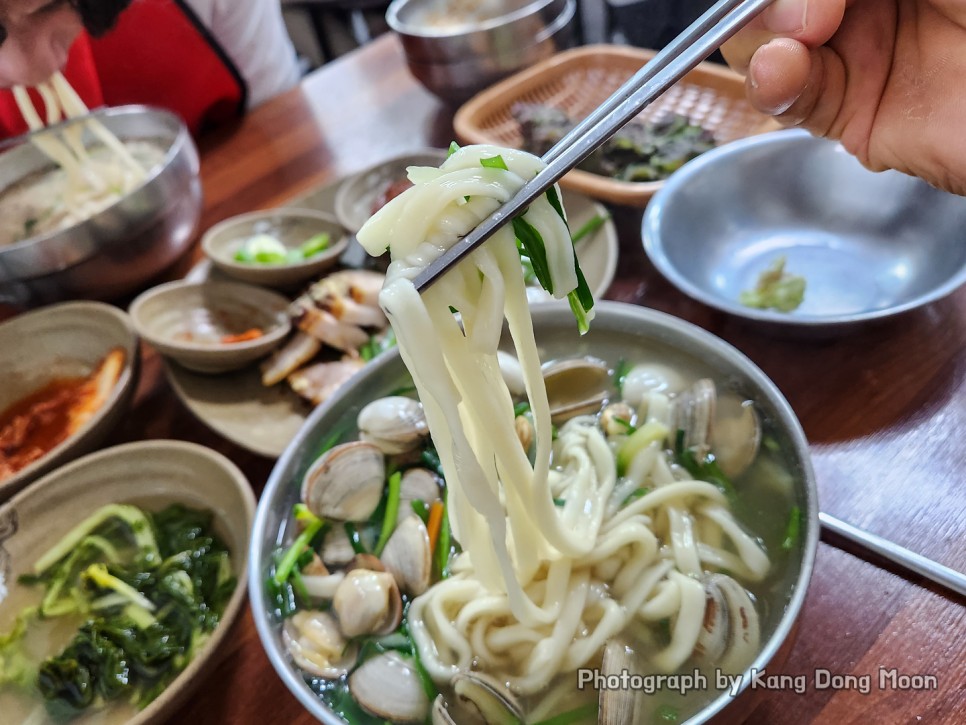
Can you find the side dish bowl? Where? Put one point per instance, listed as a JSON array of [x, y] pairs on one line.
[[869, 245], [65, 341], [194, 323], [358, 195], [151, 475], [618, 332], [117, 250], [290, 227]]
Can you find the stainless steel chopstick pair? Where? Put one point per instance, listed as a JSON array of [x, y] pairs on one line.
[[697, 42]]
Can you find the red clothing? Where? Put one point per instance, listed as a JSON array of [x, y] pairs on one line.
[[158, 54]]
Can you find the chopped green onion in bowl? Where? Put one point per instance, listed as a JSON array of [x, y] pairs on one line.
[[266, 249]]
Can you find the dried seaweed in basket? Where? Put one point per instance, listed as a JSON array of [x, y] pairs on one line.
[[641, 151]]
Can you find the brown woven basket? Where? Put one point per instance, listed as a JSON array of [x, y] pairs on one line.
[[577, 81]]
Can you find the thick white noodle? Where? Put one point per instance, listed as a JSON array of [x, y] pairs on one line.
[[92, 183], [539, 588]]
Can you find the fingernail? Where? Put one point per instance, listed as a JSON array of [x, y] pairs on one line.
[[786, 16]]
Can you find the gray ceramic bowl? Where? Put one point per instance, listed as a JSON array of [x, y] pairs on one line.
[[150, 474], [65, 341], [456, 49], [187, 322], [869, 245], [619, 331], [357, 194], [291, 227], [117, 250]]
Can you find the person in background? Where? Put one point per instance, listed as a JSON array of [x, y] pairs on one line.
[[886, 77], [207, 60]]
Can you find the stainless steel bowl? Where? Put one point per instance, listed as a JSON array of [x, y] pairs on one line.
[[618, 331], [458, 49], [117, 250], [869, 245]]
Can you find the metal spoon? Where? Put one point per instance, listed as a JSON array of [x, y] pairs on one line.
[[945, 577]]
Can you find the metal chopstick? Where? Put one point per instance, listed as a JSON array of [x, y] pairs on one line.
[[669, 66], [945, 577]]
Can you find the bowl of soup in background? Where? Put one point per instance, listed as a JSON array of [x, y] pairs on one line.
[[456, 49], [618, 333], [118, 249]]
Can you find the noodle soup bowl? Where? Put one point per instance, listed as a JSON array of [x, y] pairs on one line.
[[619, 332], [117, 250]]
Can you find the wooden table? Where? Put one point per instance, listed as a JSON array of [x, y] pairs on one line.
[[884, 409]]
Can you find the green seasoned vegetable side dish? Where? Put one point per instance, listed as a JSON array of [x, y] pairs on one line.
[[146, 589]]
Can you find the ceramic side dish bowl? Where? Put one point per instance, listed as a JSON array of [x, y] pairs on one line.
[[869, 245], [291, 228], [66, 341], [211, 327], [618, 333], [151, 475], [360, 195]]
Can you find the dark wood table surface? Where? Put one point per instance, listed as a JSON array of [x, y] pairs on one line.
[[884, 409]]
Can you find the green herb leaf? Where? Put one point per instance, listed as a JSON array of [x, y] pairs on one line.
[[392, 512], [420, 509], [494, 162], [793, 529], [453, 148], [314, 245], [301, 543], [354, 539], [591, 226], [536, 251]]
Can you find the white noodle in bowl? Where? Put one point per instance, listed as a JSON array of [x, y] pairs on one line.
[[618, 332], [107, 251], [598, 528]]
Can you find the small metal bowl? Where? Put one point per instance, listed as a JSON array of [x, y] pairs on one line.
[[457, 49], [291, 227], [117, 250], [869, 245], [619, 331]]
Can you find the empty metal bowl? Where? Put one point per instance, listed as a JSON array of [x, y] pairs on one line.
[[456, 48], [117, 250], [869, 245]]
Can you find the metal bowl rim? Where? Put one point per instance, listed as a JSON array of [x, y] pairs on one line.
[[463, 29], [655, 322], [654, 247]]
